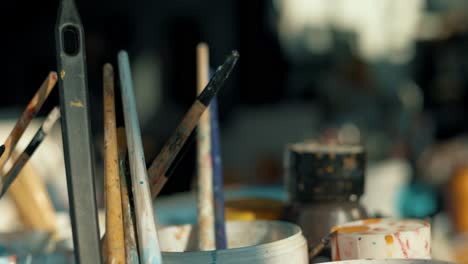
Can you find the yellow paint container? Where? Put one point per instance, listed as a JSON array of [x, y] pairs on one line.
[[250, 209]]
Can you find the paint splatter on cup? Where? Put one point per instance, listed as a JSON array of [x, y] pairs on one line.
[[382, 238]]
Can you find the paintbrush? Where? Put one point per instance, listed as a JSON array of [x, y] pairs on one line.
[[41, 133], [325, 241], [131, 248], [76, 133], [218, 195], [206, 240], [29, 113], [148, 243], [183, 151], [158, 169], [114, 223]]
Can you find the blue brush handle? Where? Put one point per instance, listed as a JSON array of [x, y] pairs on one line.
[[220, 226]]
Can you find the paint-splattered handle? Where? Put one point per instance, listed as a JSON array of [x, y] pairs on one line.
[[114, 224]]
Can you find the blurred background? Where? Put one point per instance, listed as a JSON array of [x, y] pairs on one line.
[[390, 75]]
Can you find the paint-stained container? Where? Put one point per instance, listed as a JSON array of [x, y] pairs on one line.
[[323, 173], [323, 183], [382, 238], [272, 242]]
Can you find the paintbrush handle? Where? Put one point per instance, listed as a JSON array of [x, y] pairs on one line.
[[158, 169], [114, 223], [41, 133], [148, 243], [29, 113], [218, 195], [325, 241], [131, 248], [206, 240]]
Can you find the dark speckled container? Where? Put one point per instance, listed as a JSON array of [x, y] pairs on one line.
[[320, 173], [324, 183]]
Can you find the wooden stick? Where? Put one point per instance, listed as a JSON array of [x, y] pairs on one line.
[[206, 227], [148, 243], [114, 223], [40, 135], [131, 248], [29, 113], [158, 169]]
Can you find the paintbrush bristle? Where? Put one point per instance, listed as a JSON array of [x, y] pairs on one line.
[[218, 79]]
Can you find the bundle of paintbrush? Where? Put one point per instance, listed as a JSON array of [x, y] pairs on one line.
[[130, 222], [29, 194], [123, 236]]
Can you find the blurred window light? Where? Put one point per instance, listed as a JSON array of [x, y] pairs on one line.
[[385, 29]]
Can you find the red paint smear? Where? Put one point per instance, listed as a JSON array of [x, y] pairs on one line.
[[53, 76], [426, 244], [403, 249], [407, 244], [208, 158], [337, 252]]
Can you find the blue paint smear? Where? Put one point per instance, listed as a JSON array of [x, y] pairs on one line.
[[151, 253]]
